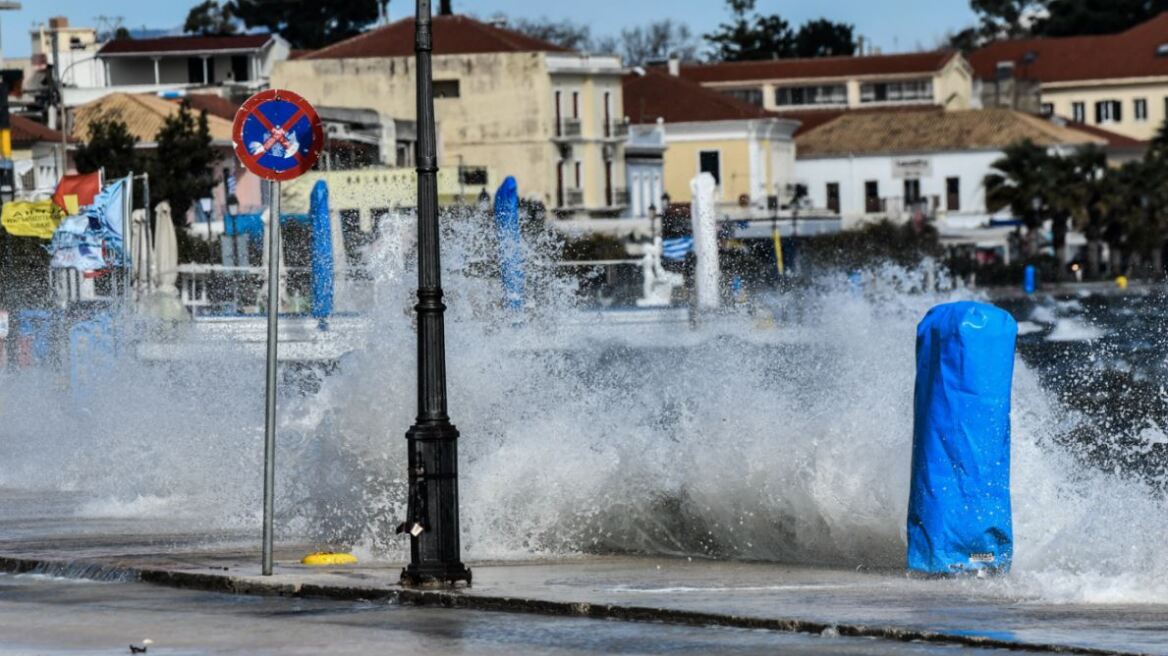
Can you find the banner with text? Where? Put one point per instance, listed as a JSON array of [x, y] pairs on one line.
[[38, 218]]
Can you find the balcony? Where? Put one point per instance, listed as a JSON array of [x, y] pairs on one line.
[[619, 198], [617, 131], [569, 129], [573, 198]]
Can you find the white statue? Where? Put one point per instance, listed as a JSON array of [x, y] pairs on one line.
[[657, 283]]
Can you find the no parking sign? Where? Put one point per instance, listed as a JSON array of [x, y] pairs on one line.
[[277, 135]]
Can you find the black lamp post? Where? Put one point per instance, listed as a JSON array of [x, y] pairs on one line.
[[432, 442]]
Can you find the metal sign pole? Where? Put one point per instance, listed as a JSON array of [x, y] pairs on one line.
[[270, 389]]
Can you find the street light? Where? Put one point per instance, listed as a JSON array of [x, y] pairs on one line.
[[432, 442]]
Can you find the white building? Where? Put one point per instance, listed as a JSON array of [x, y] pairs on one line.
[[867, 166]]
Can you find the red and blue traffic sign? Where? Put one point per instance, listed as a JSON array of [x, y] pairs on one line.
[[277, 135]]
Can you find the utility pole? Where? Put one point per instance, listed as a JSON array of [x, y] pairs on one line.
[[432, 442]]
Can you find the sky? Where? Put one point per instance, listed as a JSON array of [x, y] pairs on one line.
[[892, 25]]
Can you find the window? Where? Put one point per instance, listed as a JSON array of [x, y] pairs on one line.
[[579, 167], [353, 237], [833, 203], [607, 114], [575, 104], [912, 192], [1048, 109], [559, 182], [1140, 109], [905, 91], [1078, 112], [710, 161], [472, 175], [1108, 111], [871, 196], [446, 89], [953, 194], [559, 117], [240, 68], [1004, 70], [752, 96], [827, 94]]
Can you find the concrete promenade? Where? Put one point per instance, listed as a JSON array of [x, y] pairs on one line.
[[824, 601]]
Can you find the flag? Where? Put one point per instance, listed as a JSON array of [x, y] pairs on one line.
[[77, 191], [676, 248], [37, 218], [109, 207], [77, 245]]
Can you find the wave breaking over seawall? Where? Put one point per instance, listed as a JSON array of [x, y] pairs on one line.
[[743, 439]]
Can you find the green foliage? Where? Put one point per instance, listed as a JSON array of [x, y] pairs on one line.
[[182, 168], [823, 38], [1012, 19], [872, 245], [209, 18], [110, 145], [752, 36], [308, 23]]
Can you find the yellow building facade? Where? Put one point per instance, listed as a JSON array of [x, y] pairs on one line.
[[551, 118], [749, 159]]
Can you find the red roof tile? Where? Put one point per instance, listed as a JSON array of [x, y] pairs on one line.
[[26, 132], [1128, 54], [212, 104], [677, 100], [185, 44], [453, 35], [819, 67], [809, 119], [1114, 139]]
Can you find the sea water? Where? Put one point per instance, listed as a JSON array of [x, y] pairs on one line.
[[779, 431]]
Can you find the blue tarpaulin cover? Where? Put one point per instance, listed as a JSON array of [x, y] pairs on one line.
[[959, 516]]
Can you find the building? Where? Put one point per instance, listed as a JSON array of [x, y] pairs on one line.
[[504, 102], [36, 158], [233, 65], [74, 49], [749, 150], [867, 166], [940, 78], [1117, 81], [145, 114], [645, 168]]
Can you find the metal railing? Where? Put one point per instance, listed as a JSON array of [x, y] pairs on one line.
[[570, 128], [574, 198]]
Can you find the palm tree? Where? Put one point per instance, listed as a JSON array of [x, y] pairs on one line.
[[1088, 183], [1022, 180]]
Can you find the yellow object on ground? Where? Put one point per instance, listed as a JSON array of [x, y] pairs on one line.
[[329, 558], [1121, 282]]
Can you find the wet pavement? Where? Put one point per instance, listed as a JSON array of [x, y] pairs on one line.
[[42, 615], [713, 606]]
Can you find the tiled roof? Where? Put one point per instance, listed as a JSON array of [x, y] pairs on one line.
[[453, 35], [212, 104], [26, 132], [143, 114], [191, 43], [1128, 54], [1114, 139], [658, 95], [819, 67], [809, 119], [874, 133]]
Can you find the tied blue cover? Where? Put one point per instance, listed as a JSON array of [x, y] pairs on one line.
[[959, 516]]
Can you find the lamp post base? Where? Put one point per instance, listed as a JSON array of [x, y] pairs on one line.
[[436, 575]]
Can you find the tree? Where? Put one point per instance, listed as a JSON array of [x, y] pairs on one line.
[[1089, 183], [210, 19], [657, 40], [110, 145], [1021, 181], [563, 33], [1074, 17], [750, 36], [308, 24], [182, 167], [1007, 19], [824, 38]]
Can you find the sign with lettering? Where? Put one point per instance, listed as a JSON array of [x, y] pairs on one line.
[[912, 167], [37, 218]]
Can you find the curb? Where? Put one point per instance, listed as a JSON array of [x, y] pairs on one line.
[[226, 583]]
